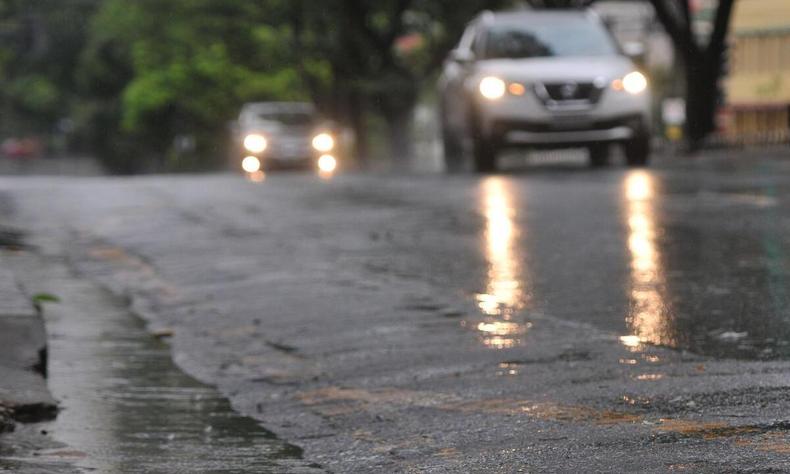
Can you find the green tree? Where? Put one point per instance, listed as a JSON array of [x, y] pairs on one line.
[[42, 40], [182, 68]]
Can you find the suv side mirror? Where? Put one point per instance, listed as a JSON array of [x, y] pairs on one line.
[[635, 51], [462, 56]]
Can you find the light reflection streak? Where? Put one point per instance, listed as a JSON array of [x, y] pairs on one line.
[[504, 294], [647, 318], [326, 175], [256, 176]]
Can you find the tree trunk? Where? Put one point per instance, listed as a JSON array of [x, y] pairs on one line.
[[702, 63], [356, 118], [701, 99], [703, 82], [399, 128]]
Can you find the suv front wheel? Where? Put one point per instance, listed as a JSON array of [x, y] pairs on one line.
[[599, 154], [637, 151], [485, 155], [453, 151]]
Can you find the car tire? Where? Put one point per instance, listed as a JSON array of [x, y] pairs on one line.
[[599, 155], [453, 152], [485, 155], [637, 151], [484, 148]]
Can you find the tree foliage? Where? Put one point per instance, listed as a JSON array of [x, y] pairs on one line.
[[182, 68], [41, 41]]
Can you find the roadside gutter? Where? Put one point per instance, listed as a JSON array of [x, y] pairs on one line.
[[24, 396]]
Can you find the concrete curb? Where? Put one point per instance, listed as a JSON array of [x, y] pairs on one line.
[[24, 396]]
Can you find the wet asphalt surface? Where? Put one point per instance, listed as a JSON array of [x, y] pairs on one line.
[[548, 319], [124, 406]]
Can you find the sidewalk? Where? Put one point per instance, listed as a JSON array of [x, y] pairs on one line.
[[24, 396], [25, 399], [51, 166]]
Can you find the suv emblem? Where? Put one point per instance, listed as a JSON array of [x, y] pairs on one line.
[[567, 91]]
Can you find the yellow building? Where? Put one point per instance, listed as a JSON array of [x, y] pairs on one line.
[[758, 85]]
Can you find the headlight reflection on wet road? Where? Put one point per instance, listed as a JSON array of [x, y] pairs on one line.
[[505, 292], [647, 318], [256, 176], [327, 165], [251, 164]]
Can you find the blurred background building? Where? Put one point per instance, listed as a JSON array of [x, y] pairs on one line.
[[758, 84], [636, 22]]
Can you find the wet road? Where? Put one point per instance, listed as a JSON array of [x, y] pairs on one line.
[[125, 407], [551, 318]]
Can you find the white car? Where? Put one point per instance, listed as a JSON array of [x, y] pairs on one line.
[[542, 79], [289, 134]]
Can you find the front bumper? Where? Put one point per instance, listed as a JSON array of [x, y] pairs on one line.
[[568, 138], [286, 155], [526, 121], [569, 131]]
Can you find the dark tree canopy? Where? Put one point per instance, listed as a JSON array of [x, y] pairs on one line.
[[40, 45]]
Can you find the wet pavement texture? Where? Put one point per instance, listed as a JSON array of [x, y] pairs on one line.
[[51, 166], [20, 452], [552, 318], [125, 407]]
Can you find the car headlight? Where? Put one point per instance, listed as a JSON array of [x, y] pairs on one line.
[[492, 88], [323, 142], [251, 164], [255, 143], [634, 83], [327, 163]]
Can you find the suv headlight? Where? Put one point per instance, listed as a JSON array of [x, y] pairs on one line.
[[634, 83], [323, 142], [255, 143], [327, 163], [251, 164], [492, 88]]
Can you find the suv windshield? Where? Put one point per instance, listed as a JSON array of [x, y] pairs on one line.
[[567, 37], [290, 119]]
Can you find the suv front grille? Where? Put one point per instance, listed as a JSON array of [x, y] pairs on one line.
[[568, 95], [570, 91]]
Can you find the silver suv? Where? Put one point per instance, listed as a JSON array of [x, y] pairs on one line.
[[541, 79]]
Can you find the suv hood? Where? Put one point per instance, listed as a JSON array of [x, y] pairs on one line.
[[273, 128], [556, 69]]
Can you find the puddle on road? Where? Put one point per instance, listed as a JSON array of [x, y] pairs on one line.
[[698, 287], [648, 315], [128, 408], [507, 288], [654, 263]]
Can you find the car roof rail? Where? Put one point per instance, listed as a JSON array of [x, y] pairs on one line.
[[522, 6], [486, 16], [594, 15], [541, 5]]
